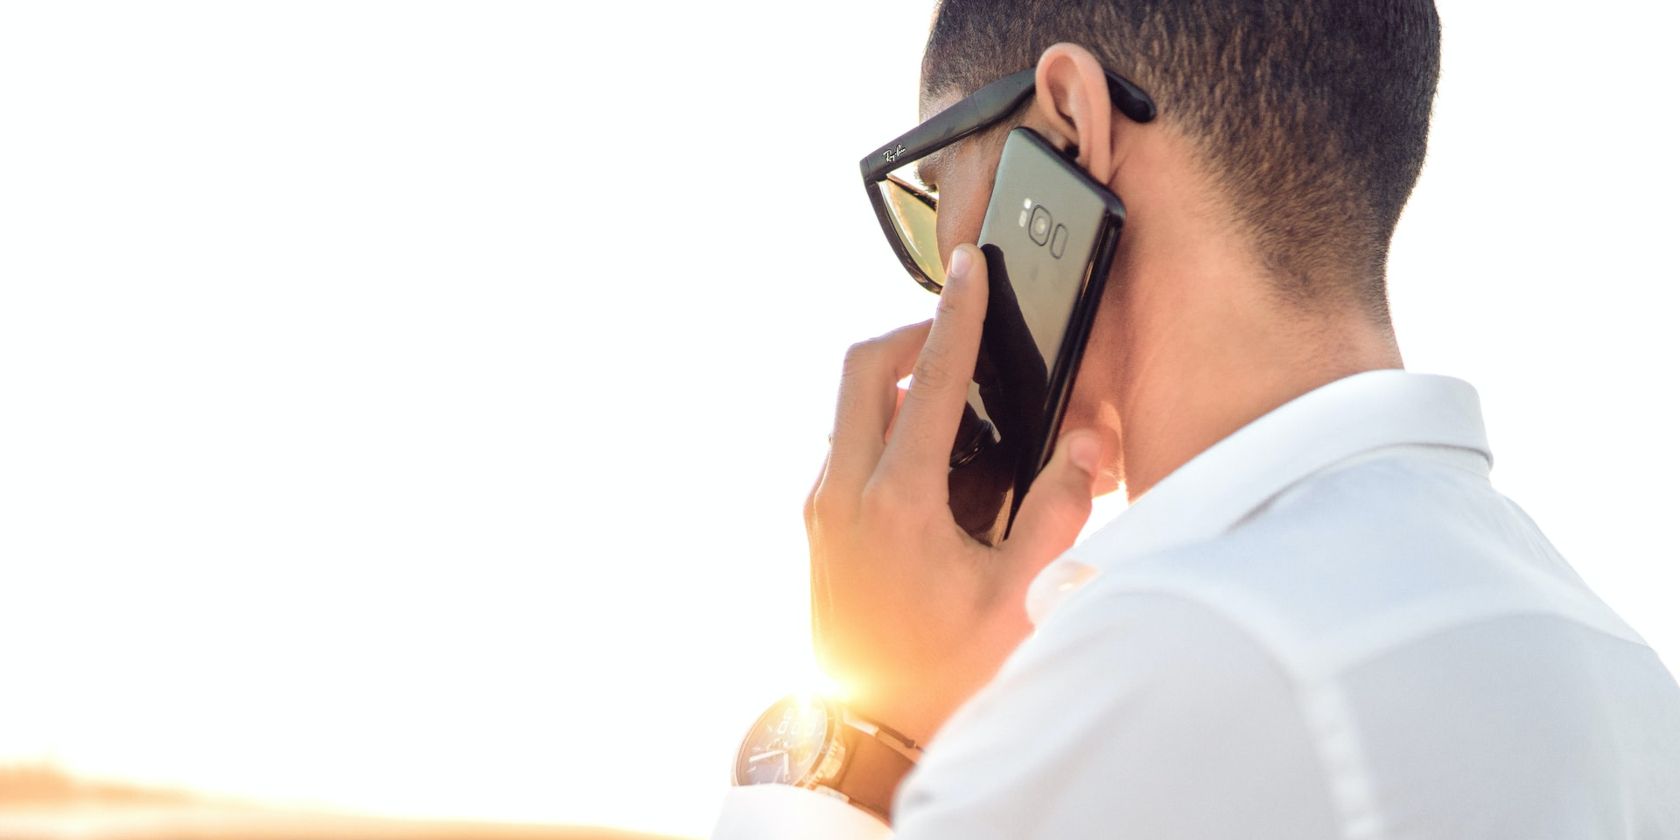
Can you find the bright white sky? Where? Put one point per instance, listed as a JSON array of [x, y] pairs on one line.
[[407, 406]]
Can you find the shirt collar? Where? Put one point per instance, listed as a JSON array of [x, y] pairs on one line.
[[1228, 480]]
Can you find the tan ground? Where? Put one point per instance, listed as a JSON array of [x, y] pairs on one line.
[[39, 803]]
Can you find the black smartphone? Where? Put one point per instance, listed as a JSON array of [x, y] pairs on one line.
[[1049, 238]]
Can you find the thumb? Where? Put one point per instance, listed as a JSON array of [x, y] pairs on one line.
[[1059, 501]]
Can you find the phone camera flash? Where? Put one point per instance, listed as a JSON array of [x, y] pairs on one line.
[[1023, 221]]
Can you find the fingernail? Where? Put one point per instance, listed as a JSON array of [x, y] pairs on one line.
[[1083, 451], [959, 264]]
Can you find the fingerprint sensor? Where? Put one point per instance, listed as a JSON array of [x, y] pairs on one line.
[[1058, 241]]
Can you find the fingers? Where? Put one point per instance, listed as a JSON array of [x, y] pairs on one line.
[[1058, 503], [868, 395], [918, 455]]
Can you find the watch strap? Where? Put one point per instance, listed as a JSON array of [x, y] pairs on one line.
[[872, 772]]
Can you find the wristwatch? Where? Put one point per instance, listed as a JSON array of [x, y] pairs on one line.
[[818, 744]]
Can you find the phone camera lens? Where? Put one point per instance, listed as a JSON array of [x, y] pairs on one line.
[[1039, 227]]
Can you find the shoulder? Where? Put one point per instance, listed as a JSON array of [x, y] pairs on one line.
[[1200, 691], [1359, 559]]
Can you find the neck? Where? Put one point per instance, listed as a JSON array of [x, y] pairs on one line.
[[1193, 340], [1209, 346]]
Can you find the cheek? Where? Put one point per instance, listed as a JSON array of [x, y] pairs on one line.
[[962, 211]]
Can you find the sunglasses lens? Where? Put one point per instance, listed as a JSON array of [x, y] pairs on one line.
[[915, 216]]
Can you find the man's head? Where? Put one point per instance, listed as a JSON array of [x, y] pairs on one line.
[[1310, 116], [1261, 200]]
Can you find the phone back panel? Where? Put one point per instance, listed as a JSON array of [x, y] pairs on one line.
[[1048, 236]]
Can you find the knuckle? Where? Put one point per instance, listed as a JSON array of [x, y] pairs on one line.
[[859, 357], [881, 500], [820, 506], [830, 507]]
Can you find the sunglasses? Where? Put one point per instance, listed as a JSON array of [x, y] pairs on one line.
[[908, 209]]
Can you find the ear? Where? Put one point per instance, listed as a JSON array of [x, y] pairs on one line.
[[1073, 100]]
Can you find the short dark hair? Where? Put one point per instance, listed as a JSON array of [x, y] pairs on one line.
[[1313, 115]]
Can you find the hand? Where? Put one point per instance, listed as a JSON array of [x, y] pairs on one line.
[[908, 611]]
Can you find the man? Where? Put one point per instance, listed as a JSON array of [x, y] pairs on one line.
[[1318, 618]]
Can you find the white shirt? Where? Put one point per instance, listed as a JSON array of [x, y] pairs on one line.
[[1327, 625]]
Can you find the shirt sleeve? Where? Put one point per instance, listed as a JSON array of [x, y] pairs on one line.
[[785, 812], [1127, 715]]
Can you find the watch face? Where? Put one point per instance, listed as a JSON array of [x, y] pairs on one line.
[[785, 745]]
